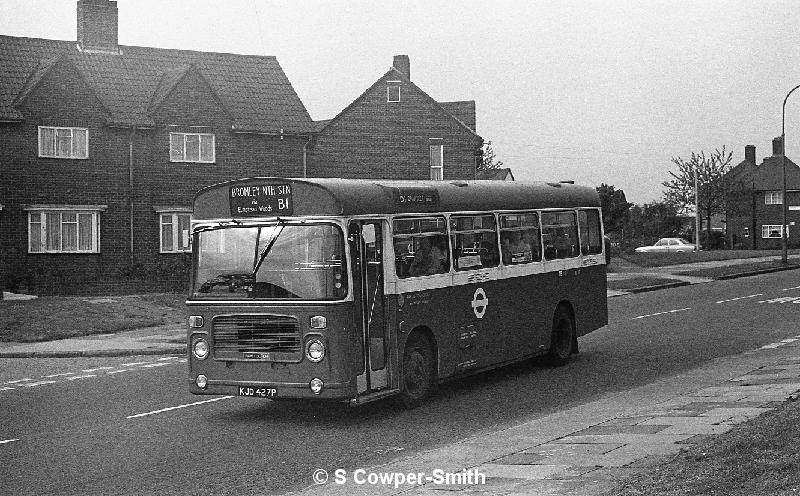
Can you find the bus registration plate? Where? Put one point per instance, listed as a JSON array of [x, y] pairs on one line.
[[258, 392]]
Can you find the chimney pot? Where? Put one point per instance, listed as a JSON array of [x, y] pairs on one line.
[[750, 153], [403, 64], [98, 25], [777, 146]]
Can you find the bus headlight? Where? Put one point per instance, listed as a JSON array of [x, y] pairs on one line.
[[200, 348], [315, 350], [201, 381], [316, 385]]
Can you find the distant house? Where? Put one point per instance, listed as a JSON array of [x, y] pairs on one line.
[[395, 130], [495, 175], [755, 200]]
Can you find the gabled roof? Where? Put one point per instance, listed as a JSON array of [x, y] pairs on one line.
[[463, 111], [254, 89], [766, 176], [172, 78], [495, 175], [399, 76]]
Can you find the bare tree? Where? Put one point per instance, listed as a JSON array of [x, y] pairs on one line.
[[489, 159], [710, 171]]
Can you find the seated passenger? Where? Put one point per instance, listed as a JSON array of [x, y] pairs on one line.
[[428, 259], [516, 250]]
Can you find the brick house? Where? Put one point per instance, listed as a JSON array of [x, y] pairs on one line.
[[103, 146], [395, 130], [755, 200]]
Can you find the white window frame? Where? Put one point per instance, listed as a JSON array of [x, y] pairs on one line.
[[773, 198], [766, 229], [74, 151], [182, 137], [392, 89], [37, 227], [173, 215], [432, 148]]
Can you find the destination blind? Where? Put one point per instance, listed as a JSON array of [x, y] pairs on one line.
[[261, 200]]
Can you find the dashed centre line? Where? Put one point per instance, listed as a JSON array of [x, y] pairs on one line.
[[741, 298], [169, 409], [6, 441], [661, 313]]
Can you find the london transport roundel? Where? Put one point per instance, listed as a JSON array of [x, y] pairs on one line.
[[479, 303]]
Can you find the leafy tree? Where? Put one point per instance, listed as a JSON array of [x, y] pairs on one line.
[[710, 172], [646, 223], [489, 159], [616, 208]]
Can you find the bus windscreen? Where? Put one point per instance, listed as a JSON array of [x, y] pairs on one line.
[[271, 261]]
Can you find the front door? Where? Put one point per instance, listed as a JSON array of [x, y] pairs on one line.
[[367, 251]]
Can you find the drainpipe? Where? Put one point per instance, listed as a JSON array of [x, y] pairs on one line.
[[130, 189], [305, 156]]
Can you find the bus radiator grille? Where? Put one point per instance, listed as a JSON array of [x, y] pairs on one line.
[[257, 337]]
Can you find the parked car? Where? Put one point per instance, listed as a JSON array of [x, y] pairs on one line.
[[668, 245]]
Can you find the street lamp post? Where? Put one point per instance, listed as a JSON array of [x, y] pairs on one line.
[[784, 240]]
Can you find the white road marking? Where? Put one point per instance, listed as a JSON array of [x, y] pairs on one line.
[[6, 441], [39, 383], [132, 364], [89, 371], [662, 313], [783, 299], [77, 377], [789, 289], [58, 375], [118, 371], [168, 358], [153, 365], [19, 380], [6, 389], [169, 409], [741, 298]]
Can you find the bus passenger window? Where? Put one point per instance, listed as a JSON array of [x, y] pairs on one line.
[[519, 238], [560, 235], [474, 239], [420, 246], [591, 240]]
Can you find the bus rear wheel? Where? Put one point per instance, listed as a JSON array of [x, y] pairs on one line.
[[562, 338], [418, 381]]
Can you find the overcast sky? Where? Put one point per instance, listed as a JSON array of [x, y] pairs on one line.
[[596, 92]]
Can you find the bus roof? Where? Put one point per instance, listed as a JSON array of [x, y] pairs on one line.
[[278, 197]]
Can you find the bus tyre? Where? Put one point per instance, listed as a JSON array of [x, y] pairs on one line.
[[419, 372], [563, 337]]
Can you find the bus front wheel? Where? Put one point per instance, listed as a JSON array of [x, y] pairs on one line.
[[562, 338], [419, 371]]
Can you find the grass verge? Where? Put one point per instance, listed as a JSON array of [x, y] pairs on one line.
[[57, 317], [662, 259], [639, 282], [757, 458]]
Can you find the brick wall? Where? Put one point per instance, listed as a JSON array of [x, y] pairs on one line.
[[379, 139]]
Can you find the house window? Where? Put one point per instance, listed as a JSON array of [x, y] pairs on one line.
[[771, 231], [393, 92], [191, 147], [773, 198], [175, 237], [437, 162], [63, 142], [64, 229]]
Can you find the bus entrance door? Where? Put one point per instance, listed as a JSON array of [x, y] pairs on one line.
[[367, 251]]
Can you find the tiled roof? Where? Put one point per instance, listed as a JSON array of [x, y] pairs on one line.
[[495, 175], [254, 89], [463, 111]]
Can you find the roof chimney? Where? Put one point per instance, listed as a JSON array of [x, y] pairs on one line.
[[777, 146], [98, 26], [403, 64], [750, 153]]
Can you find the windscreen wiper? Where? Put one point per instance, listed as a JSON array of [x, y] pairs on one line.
[[281, 224]]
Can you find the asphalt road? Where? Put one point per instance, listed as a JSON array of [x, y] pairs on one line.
[[128, 426]]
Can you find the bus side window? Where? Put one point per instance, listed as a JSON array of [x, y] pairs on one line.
[[591, 240], [420, 246], [560, 235], [474, 240], [519, 238]]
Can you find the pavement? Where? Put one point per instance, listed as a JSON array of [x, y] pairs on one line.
[[579, 451]]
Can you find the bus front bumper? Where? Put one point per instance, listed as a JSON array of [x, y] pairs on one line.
[[276, 390]]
